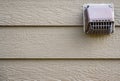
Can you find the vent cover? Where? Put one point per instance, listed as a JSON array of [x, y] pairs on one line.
[[98, 18]]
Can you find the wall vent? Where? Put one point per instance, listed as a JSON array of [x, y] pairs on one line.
[[98, 18]]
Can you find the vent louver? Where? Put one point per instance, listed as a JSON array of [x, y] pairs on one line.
[[98, 18]]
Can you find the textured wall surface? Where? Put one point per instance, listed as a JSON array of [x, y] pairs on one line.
[[47, 12], [53, 42], [60, 70], [40, 38]]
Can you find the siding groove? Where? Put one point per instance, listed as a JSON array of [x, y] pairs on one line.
[[60, 59], [45, 26]]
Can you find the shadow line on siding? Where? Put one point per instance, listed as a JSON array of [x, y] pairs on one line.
[[59, 58], [45, 25]]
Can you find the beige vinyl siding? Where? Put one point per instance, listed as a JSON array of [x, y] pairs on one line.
[[56, 42], [43, 40], [47, 12], [60, 70]]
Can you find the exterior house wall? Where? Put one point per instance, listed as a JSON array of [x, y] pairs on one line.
[[43, 40]]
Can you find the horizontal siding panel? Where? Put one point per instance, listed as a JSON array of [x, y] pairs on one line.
[[47, 12], [56, 42], [64, 70]]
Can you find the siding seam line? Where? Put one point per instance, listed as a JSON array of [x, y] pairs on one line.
[[59, 58], [45, 25]]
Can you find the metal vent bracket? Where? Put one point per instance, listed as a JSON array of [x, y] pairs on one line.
[[98, 18]]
